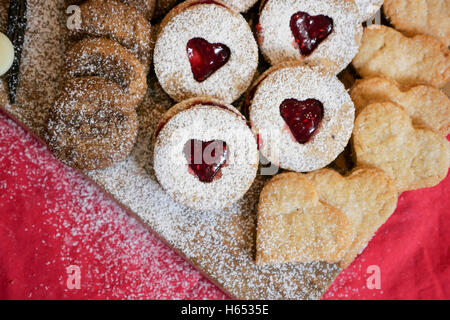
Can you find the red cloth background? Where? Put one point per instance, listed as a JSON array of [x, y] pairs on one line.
[[52, 218]]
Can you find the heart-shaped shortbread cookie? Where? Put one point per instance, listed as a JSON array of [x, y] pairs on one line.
[[367, 196], [415, 157], [426, 105], [294, 226]]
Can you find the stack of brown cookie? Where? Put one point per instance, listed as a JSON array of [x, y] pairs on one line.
[[93, 123]]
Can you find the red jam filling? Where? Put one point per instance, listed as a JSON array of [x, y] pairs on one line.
[[310, 31], [206, 58], [302, 117], [206, 159]]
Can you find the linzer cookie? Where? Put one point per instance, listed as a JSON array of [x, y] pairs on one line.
[[295, 226], [92, 125], [413, 156], [116, 21], [205, 48], [367, 196], [108, 59], [430, 17], [417, 60], [205, 155], [3, 93], [303, 117], [368, 8], [426, 105], [322, 32]]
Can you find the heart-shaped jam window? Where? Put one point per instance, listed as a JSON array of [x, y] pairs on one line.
[[302, 117], [206, 159], [310, 31], [206, 58]]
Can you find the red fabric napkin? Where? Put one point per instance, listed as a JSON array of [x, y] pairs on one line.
[[58, 231]]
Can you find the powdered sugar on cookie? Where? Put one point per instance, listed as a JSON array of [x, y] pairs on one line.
[[278, 44], [301, 83], [367, 8]]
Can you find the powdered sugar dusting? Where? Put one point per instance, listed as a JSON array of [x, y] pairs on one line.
[[240, 5], [108, 59], [220, 242], [42, 62], [116, 21], [216, 24], [335, 53]]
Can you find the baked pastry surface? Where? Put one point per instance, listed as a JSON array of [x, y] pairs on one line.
[[425, 104], [430, 17], [92, 125], [417, 60], [413, 156], [295, 226], [226, 144]]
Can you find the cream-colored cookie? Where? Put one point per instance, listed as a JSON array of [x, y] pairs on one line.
[[425, 104], [294, 226], [414, 156], [205, 155], [320, 32], [420, 59], [302, 116], [367, 196], [145, 7], [6, 54], [430, 17]]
